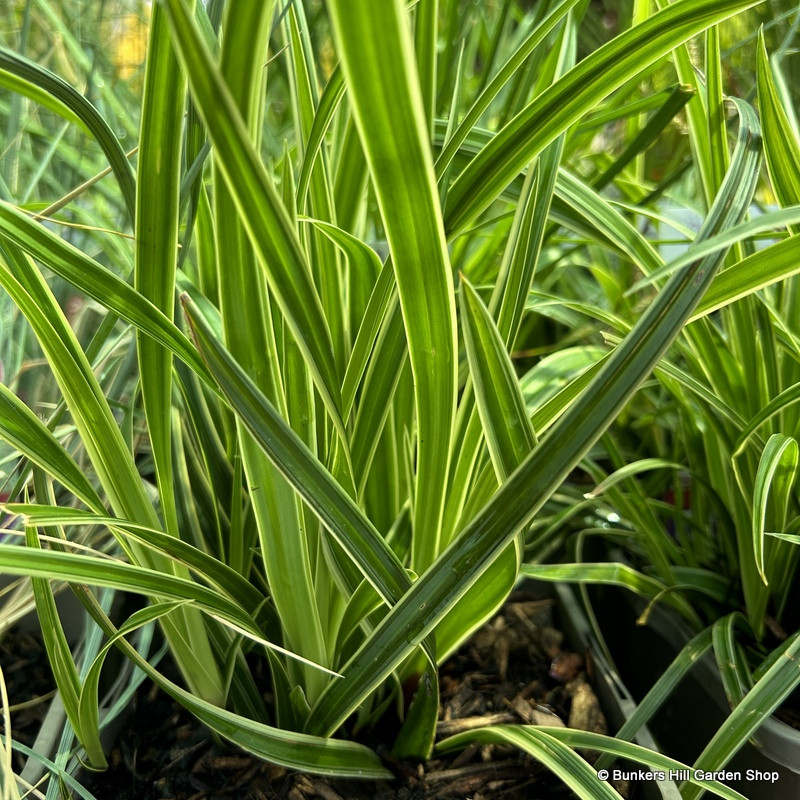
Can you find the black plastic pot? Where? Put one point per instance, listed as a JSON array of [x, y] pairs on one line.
[[616, 700], [768, 767]]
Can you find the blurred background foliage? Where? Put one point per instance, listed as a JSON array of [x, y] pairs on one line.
[[99, 46]]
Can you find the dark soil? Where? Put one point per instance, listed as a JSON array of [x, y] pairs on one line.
[[29, 684], [514, 670]]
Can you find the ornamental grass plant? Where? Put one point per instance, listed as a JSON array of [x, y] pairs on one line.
[[705, 511], [287, 414]]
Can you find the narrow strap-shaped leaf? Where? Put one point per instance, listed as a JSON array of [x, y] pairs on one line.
[[380, 382], [513, 282], [371, 320], [524, 244], [88, 702], [443, 175], [499, 81], [610, 111], [215, 571], [97, 571], [351, 177], [786, 398], [696, 112], [516, 274], [764, 268], [516, 502], [782, 150], [426, 41], [507, 301], [674, 102], [260, 208], [577, 205], [733, 668], [506, 426], [630, 469], [775, 477], [690, 655], [100, 435], [326, 498], [561, 759], [98, 282], [533, 739], [323, 495], [15, 76], [247, 315], [328, 103], [323, 257], [702, 391], [716, 132], [613, 574], [25, 432], [772, 688], [58, 771], [602, 220], [415, 739], [59, 654], [99, 431], [763, 223], [21, 75], [378, 63], [156, 253], [364, 262], [570, 97], [285, 747]]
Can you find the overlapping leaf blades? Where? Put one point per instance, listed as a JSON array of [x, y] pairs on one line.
[[309, 486]]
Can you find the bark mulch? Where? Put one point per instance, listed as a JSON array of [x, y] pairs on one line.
[[515, 670]]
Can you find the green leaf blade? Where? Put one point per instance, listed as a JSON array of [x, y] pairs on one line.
[[260, 207], [507, 428], [527, 489], [572, 96], [776, 474], [377, 60]]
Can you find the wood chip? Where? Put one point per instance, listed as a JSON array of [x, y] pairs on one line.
[[534, 716], [585, 712], [324, 791], [471, 723]]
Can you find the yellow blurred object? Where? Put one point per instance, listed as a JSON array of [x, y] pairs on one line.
[[129, 42]]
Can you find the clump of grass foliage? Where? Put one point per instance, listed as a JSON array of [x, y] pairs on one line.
[[288, 416], [705, 509]]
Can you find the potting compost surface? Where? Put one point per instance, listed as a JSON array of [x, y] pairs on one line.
[[515, 670], [29, 683]]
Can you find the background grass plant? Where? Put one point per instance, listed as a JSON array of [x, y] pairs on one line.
[[323, 455]]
